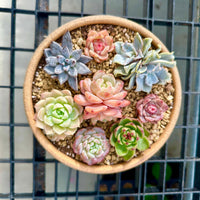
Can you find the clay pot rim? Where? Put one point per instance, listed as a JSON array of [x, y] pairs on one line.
[[105, 169]]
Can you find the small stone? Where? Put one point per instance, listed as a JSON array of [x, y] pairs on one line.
[[80, 41]]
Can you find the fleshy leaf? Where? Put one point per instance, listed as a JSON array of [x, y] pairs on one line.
[[129, 155], [120, 149], [84, 59], [73, 82], [82, 68], [49, 70], [47, 52], [56, 49], [76, 54], [142, 144], [67, 42], [63, 78], [58, 69], [73, 72]]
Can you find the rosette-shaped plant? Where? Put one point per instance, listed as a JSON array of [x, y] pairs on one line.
[[102, 97], [128, 135], [57, 114], [91, 144], [65, 63], [142, 65], [151, 108], [98, 44]]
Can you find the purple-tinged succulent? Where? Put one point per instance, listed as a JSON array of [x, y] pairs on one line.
[[57, 114], [151, 109], [128, 135], [65, 63], [142, 65], [91, 144]]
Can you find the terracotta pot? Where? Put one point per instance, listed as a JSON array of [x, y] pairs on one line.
[[29, 104]]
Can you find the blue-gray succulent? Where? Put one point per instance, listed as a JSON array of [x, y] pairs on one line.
[[142, 65], [64, 63]]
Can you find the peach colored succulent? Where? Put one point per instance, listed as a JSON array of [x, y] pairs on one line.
[[103, 97], [98, 44]]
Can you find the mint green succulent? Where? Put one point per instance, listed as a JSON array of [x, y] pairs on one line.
[[142, 65], [57, 114], [127, 136]]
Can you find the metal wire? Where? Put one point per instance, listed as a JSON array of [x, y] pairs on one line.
[[140, 176]]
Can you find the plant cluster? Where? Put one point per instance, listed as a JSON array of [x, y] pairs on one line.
[[102, 98], [141, 64]]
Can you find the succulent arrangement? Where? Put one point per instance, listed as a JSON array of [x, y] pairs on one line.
[[79, 112], [141, 64]]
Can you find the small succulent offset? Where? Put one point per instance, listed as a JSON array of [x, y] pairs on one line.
[[142, 65], [65, 63], [57, 114], [128, 135], [91, 144], [98, 44], [151, 109], [102, 97]]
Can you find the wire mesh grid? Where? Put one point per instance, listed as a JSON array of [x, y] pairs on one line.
[[166, 175]]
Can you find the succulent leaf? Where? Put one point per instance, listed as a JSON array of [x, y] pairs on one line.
[[128, 135], [136, 59], [91, 144], [103, 97], [56, 115], [65, 64], [67, 42]]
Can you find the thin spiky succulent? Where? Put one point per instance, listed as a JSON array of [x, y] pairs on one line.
[[128, 135], [57, 114], [91, 144], [65, 63], [142, 65]]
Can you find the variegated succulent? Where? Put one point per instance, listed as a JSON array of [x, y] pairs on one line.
[[91, 144], [141, 64], [65, 63], [57, 114], [102, 97], [128, 135]]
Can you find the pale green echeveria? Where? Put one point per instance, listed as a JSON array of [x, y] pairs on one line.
[[140, 64], [127, 136], [57, 114]]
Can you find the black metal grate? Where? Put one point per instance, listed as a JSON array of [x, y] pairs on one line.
[[164, 176]]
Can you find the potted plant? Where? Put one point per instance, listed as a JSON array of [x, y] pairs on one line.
[[102, 94]]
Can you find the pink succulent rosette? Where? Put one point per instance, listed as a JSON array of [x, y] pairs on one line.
[[151, 109], [91, 144], [98, 44], [103, 97]]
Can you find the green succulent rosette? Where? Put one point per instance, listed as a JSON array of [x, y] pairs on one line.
[[57, 114], [127, 136]]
